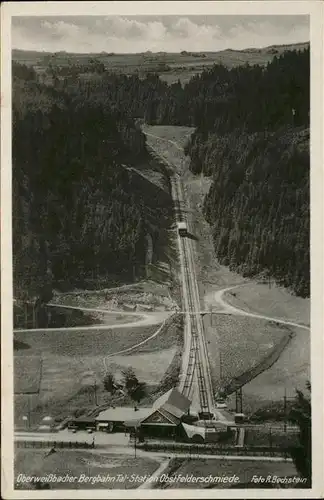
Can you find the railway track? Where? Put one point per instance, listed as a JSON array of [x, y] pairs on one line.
[[195, 349], [195, 354]]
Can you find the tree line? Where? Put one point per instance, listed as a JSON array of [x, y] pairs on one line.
[[251, 137], [77, 207], [257, 152]]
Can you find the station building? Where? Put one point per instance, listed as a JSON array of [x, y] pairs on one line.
[[163, 419]]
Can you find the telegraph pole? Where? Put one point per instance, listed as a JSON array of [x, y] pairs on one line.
[[220, 365], [239, 400], [95, 392], [29, 412], [285, 411]]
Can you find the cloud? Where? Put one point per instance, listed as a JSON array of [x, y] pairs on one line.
[[62, 29], [171, 33]]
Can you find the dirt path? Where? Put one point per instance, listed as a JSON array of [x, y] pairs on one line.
[[140, 319]]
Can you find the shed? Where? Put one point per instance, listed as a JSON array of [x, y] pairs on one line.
[[82, 423], [114, 419]]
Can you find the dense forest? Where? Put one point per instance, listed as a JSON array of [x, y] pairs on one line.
[[252, 138], [257, 151], [78, 208]]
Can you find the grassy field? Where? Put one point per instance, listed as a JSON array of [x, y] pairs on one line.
[[291, 371], [28, 373], [274, 301], [171, 67], [244, 470], [238, 344], [67, 387], [77, 463], [73, 361], [79, 343], [263, 437]]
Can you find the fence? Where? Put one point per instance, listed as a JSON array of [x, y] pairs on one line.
[[54, 444], [201, 449]]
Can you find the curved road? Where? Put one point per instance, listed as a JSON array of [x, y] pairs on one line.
[[229, 309]]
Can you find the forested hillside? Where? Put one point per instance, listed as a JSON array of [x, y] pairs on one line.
[[71, 193], [255, 145], [78, 211]]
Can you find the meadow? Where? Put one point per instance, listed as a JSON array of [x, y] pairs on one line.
[[28, 374], [270, 301], [243, 469], [74, 364], [238, 344], [78, 462], [171, 67], [78, 343]]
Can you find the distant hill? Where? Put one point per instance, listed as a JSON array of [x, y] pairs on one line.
[[35, 57]]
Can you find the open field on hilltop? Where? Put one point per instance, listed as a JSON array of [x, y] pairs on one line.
[[201, 468], [274, 301], [171, 67], [78, 462]]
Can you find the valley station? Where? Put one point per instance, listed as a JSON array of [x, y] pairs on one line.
[[169, 417]]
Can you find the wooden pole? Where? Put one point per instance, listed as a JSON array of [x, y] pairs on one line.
[[34, 315], [241, 400], [95, 392], [29, 411], [285, 410], [26, 314]]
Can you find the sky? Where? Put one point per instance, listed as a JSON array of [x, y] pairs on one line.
[[122, 34]]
